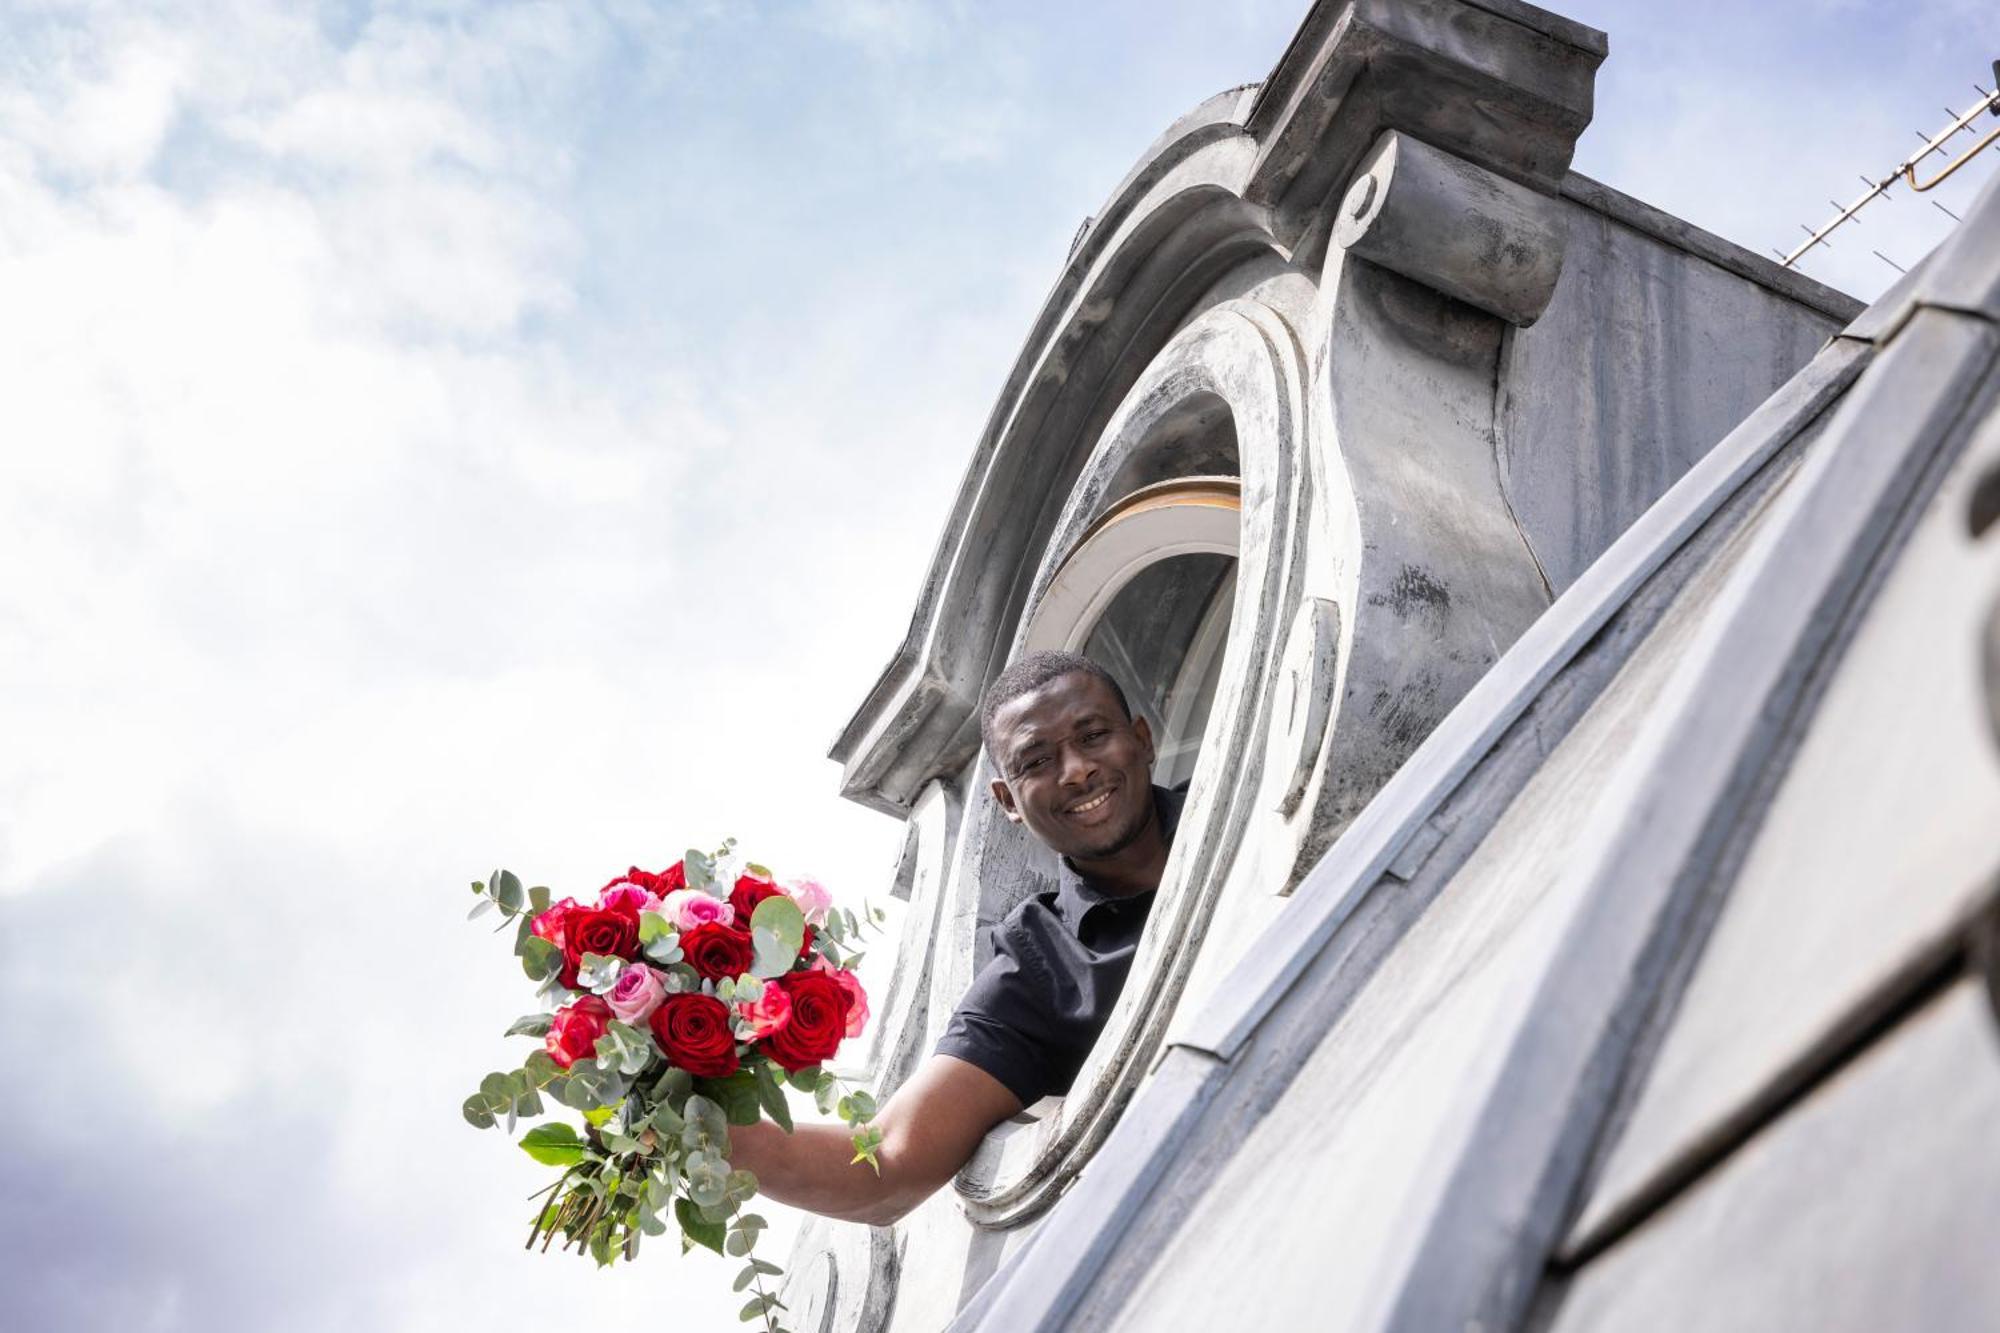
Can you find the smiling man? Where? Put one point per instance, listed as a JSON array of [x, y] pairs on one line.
[[1076, 770]]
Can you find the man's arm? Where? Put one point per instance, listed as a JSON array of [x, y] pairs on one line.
[[930, 1128]]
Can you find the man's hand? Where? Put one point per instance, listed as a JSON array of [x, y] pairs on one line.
[[930, 1128]]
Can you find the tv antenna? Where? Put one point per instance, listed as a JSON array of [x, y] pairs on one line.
[[1906, 171]]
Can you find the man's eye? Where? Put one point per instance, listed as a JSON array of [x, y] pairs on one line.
[[1033, 764], [1095, 736]]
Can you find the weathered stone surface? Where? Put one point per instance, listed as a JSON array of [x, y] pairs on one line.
[[1591, 431], [1875, 1204], [1438, 219], [1877, 841]]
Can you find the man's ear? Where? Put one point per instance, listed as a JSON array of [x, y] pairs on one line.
[[1144, 731], [1004, 794]]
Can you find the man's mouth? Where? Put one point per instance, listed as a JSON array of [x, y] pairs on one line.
[[1085, 807]]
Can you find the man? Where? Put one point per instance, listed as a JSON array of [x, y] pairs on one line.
[[1076, 769]]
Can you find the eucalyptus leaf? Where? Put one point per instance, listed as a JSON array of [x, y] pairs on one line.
[[541, 1068], [479, 909], [496, 1086], [705, 1118], [476, 1113], [538, 899], [767, 1268], [740, 1186], [696, 1227], [598, 972], [664, 950], [529, 1025], [738, 1245], [778, 932], [539, 958], [699, 869], [509, 893], [652, 926], [748, 1275]]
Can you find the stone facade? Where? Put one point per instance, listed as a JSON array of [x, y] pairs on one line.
[[1591, 837]]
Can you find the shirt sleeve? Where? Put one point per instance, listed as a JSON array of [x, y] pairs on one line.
[[1006, 1024]]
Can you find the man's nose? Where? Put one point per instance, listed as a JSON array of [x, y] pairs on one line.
[[1078, 768]]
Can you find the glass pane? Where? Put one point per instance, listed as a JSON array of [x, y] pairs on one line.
[[1163, 637]]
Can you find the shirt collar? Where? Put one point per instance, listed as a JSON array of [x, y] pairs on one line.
[[1076, 894]]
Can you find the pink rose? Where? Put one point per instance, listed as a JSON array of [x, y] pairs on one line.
[[574, 1032], [857, 1009], [767, 1013], [813, 899], [636, 994], [549, 925], [628, 898], [688, 908]]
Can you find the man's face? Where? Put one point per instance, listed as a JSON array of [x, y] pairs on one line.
[[1074, 769]]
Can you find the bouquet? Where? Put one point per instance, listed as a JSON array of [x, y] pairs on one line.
[[675, 1005]]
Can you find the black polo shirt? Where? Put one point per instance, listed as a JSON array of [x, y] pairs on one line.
[[1032, 1014]]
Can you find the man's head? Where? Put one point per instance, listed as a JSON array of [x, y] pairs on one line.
[[1075, 766]]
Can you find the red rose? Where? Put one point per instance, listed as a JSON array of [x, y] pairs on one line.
[[574, 1031], [717, 951], [597, 930], [660, 885], [694, 1032], [818, 1021], [750, 891]]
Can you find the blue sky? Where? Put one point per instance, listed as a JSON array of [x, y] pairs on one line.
[[434, 435]]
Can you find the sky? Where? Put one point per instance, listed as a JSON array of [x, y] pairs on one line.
[[436, 436]]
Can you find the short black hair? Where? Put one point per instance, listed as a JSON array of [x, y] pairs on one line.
[[1027, 674]]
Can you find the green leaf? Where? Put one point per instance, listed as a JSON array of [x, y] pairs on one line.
[[824, 1092], [739, 1244], [476, 1113], [736, 1095], [753, 1310], [509, 893], [529, 1025], [652, 926], [863, 1105], [497, 1087], [805, 1080], [478, 886], [538, 899], [751, 1222], [667, 1120], [778, 930], [741, 1186], [767, 1268], [696, 1228], [599, 1116], [553, 1144], [479, 909], [772, 1097], [666, 950], [747, 1276]]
